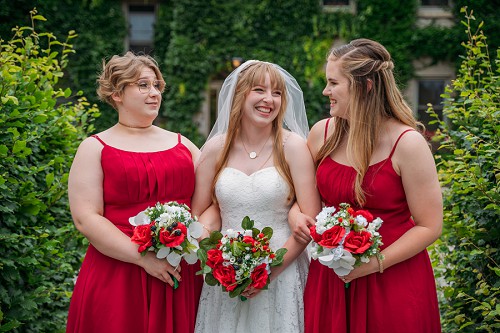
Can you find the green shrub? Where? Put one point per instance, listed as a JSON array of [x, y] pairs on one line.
[[39, 133], [469, 168]]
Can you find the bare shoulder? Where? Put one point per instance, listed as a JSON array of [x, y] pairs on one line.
[[190, 145], [295, 146], [316, 137], [211, 150], [410, 142], [412, 151], [90, 145], [215, 144]]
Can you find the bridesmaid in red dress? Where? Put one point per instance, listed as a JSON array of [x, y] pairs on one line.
[[116, 174], [370, 154]]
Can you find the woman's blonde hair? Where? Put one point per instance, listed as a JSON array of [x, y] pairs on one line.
[[120, 71], [249, 77], [374, 96]]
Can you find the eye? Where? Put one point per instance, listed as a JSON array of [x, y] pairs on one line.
[[159, 85], [143, 84], [277, 93]]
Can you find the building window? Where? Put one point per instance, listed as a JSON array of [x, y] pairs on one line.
[[141, 20], [429, 92], [335, 2], [435, 3], [339, 5]]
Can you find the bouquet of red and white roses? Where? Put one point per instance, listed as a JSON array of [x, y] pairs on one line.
[[169, 230], [344, 238], [237, 259]]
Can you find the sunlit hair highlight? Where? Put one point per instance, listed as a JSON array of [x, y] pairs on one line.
[[362, 61], [253, 75], [120, 71]]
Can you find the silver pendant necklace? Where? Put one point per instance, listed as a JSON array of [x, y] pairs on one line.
[[252, 154]]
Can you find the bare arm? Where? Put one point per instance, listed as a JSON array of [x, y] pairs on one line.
[[298, 221], [415, 163], [202, 197], [211, 220], [195, 152], [302, 170], [86, 203]]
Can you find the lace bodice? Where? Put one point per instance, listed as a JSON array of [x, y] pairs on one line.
[[262, 196]]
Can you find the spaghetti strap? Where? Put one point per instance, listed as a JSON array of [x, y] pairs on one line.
[[179, 137], [326, 128], [99, 139], [399, 137]]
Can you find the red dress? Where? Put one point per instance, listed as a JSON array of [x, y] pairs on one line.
[[403, 298], [114, 296]]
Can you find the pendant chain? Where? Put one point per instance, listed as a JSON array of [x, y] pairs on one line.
[[252, 154]]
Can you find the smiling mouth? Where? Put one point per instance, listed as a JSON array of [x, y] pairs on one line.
[[263, 110]]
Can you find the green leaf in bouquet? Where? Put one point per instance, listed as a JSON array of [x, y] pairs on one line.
[[204, 270], [268, 232], [215, 237], [255, 232], [256, 254], [206, 244], [247, 224], [210, 280], [236, 249], [239, 289], [278, 260], [202, 255]]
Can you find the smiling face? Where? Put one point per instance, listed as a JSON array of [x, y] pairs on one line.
[[262, 103], [133, 102], [337, 89]]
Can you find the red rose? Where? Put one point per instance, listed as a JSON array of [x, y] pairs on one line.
[[332, 237], [175, 237], [143, 236], [248, 240], [357, 242], [315, 236], [214, 258], [226, 276], [259, 276], [366, 214]]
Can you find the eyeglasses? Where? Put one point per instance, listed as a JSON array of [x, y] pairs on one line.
[[146, 85]]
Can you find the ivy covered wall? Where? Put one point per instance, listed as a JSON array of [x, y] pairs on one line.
[[204, 35]]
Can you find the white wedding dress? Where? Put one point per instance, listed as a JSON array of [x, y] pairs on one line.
[[263, 197]]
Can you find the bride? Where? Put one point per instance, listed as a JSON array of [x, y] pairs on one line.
[[251, 165]]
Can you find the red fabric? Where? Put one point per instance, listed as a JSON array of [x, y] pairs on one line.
[[402, 299], [114, 296]]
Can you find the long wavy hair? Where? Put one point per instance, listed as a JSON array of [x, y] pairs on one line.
[[248, 78], [361, 61]]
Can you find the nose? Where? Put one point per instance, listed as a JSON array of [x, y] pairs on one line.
[[326, 91], [154, 91], [268, 96]]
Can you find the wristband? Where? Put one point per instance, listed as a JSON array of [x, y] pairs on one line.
[[380, 259]]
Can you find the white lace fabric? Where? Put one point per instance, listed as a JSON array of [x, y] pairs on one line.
[[263, 197]]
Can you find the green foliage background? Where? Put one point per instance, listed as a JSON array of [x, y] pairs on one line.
[[40, 250], [467, 257], [39, 131]]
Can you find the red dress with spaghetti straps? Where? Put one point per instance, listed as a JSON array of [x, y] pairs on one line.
[[115, 296], [403, 299]]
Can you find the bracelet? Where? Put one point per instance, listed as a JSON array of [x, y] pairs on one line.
[[205, 227], [380, 259]]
